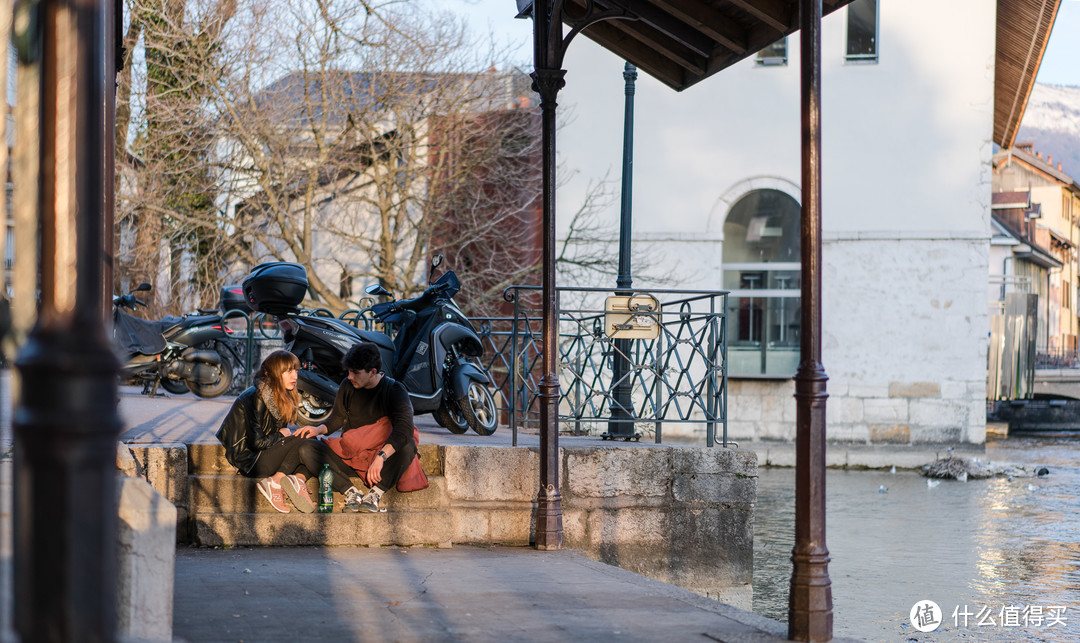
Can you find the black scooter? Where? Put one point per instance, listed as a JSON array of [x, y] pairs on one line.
[[179, 353], [433, 352]]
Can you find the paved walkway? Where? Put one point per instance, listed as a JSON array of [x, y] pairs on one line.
[[458, 594]]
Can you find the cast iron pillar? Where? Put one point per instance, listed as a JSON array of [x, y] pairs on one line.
[[810, 616], [66, 423], [621, 426], [547, 81]]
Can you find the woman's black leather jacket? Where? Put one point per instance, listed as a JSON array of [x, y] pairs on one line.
[[249, 428]]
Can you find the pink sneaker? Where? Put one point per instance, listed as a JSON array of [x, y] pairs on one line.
[[298, 493], [273, 493]]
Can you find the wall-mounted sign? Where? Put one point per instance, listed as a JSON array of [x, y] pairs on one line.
[[634, 317]]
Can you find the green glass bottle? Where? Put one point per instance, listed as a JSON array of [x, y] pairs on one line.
[[326, 490]]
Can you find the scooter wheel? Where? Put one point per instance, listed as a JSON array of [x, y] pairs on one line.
[[176, 387], [450, 419], [478, 408]]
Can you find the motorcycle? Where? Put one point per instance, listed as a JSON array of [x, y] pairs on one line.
[[179, 353], [433, 352]]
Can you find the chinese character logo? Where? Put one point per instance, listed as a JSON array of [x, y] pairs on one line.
[[925, 616]]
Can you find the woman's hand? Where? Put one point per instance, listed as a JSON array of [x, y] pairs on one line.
[[285, 431], [310, 431]]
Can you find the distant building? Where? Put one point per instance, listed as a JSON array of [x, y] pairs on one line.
[[460, 179], [1036, 218]]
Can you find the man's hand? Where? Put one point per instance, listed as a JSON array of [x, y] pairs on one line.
[[374, 472], [311, 431], [285, 431]]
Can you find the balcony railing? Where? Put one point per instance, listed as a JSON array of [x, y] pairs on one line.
[[678, 378]]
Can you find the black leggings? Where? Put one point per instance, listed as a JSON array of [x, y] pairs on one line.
[[307, 457], [315, 453], [283, 456]]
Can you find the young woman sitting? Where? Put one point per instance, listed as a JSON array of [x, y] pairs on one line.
[[258, 434]]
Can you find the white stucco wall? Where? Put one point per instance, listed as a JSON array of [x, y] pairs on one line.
[[906, 192]]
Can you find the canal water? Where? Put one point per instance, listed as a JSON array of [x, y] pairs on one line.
[[999, 557]]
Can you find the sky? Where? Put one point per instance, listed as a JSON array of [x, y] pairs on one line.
[[1060, 66], [1061, 62]]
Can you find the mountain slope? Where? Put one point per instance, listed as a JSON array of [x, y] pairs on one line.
[[1052, 123]]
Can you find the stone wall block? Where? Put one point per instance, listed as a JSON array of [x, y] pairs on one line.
[[681, 556], [860, 389], [489, 525], [891, 433], [608, 472], [885, 411], [846, 432], [714, 460], [165, 467], [630, 527], [939, 413], [773, 407], [924, 435], [744, 407], [146, 556], [739, 429], [125, 462], [711, 488], [468, 473], [776, 431], [843, 410], [914, 389]]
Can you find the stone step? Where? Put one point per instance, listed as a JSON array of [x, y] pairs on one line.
[[390, 528], [209, 458], [232, 493]]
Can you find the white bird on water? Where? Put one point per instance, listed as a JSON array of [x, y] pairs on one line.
[[931, 483]]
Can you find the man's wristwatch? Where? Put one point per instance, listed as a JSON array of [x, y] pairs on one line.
[[382, 454]]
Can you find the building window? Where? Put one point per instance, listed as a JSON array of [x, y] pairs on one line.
[[862, 31], [773, 55], [762, 272]]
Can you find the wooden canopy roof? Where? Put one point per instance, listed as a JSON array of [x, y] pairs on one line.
[[682, 42], [1023, 29]]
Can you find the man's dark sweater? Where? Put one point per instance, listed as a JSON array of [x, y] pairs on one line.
[[356, 407]]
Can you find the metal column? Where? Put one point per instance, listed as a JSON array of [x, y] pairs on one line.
[[547, 81], [622, 407], [810, 616], [66, 422]]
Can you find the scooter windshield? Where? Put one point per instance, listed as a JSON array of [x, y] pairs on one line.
[[448, 283]]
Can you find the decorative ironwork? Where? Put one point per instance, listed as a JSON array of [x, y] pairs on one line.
[[679, 377]]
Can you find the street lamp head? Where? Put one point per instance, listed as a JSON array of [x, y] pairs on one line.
[[525, 9]]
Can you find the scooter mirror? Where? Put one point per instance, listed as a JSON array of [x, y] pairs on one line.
[[377, 289], [142, 287], [435, 262]]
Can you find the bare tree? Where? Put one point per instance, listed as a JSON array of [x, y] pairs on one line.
[[374, 146], [166, 188], [357, 139]]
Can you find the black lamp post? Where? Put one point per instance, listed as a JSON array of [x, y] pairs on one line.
[[621, 426], [66, 423]]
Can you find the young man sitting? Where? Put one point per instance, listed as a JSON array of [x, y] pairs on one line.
[[379, 407]]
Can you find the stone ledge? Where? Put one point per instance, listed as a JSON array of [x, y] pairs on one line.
[[146, 537], [402, 529]]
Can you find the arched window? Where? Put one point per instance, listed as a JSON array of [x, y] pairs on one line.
[[762, 269]]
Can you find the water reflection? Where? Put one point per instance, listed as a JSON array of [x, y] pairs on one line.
[[996, 544]]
